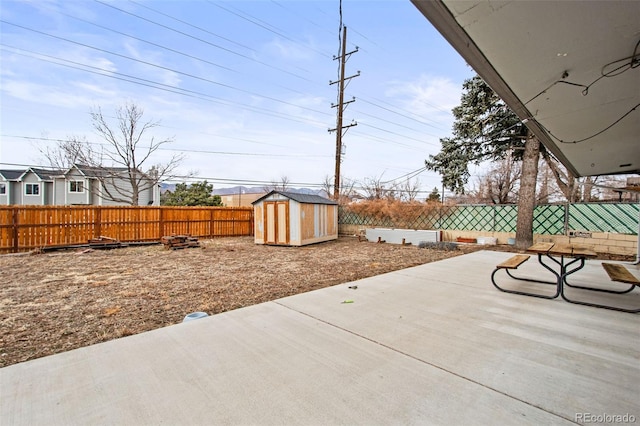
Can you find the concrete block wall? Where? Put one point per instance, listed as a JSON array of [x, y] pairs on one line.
[[600, 242]]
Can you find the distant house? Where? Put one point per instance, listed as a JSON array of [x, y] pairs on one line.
[[10, 187], [78, 185], [33, 186], [241, 199], [103, 186]]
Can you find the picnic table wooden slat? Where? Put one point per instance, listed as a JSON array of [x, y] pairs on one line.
[[541, 247], [513, 262], [620, 273]]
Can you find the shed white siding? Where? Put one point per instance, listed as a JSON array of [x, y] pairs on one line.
[[282, 220]]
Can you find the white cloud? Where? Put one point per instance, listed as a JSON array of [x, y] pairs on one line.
[[49, 95], [293, 51], [427, 96], [94, 89]]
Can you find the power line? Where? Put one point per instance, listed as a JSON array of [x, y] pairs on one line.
[[161, 86], [199, 95], [265, 25], [191, 25], [398, 113], [299, 16], [151, 43], [397, 134], [196, 77], [166, 68], [394, 123], [199, 151], [201, 40]]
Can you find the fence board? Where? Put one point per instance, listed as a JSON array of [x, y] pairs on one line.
[[24, 228]]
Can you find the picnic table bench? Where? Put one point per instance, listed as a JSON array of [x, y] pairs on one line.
[[620, 273]]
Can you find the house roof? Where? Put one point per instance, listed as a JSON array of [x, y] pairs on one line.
[[44, 174], [301, 198], [11, 174], [96, 172]]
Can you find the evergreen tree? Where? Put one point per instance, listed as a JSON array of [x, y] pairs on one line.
[[196, 194], [485, 129], [434, 196]]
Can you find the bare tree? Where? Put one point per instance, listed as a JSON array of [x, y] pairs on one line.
[[126, 149], [347, 189], [376, 189], [327, 184], [501, 182], [565, 181], [545, 190], [282, 185], [409, 190], [129, 148], [66, 153]]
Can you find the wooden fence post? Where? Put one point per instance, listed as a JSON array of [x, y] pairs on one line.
[[161, 223], [14, 216], [97, 230], [211, 223]]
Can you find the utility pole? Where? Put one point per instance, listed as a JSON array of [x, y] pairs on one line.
[[340, 128]]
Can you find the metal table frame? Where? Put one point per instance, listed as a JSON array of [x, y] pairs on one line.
[[579, 256]]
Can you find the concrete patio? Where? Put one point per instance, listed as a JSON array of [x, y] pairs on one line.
[[434, 344]]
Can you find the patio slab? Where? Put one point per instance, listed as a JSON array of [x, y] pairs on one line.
[[434, 344]]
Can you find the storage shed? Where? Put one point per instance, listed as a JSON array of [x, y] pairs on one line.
[[292, 219]]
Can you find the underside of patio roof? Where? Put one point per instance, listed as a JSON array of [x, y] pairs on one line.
[[570, 70]]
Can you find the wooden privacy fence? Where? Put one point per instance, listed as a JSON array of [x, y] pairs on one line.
[[24, 228]]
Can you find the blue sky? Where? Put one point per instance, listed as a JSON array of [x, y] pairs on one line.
[[254, 99]]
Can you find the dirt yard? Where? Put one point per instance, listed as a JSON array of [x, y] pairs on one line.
[[57, 301]]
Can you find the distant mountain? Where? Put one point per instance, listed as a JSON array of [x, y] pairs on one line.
[[164, 187], [236, 190], [247, 190], [253, 190]]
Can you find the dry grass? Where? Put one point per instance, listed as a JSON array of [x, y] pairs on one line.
[[55, 302]]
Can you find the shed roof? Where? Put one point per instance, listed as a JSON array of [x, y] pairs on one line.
[[301, 198]]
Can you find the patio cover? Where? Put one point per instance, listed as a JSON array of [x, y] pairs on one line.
[[571, 70]]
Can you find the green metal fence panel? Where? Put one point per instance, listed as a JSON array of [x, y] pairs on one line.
[[506, 217], [597, 217], [470, 218], [549, 219]]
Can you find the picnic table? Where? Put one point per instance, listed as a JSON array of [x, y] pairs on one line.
[[564, 260]]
